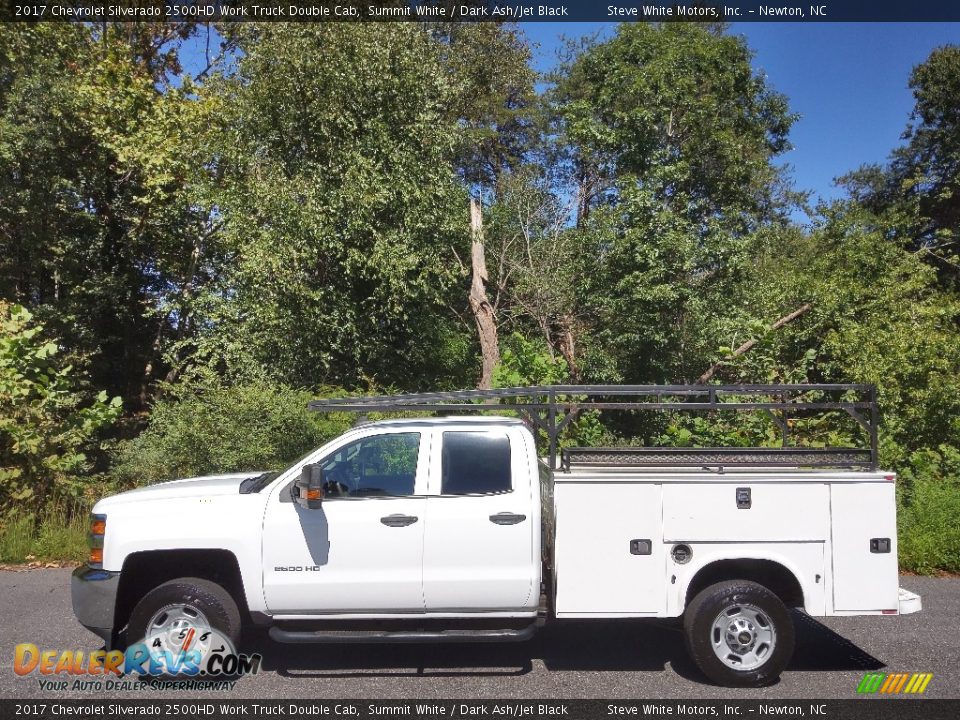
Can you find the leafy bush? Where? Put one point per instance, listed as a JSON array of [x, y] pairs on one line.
[[205, 427], [929, 511], [48, 424], [524, 362]]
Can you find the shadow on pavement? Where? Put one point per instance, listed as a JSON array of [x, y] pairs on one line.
[[625, 645], [820, 648]]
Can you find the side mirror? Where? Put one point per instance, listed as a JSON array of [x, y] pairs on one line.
[[309, 488]]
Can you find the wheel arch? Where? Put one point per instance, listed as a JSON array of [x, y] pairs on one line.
[[146, 570], [774, 575]]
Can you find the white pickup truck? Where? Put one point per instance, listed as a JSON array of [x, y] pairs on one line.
[[438, 529]]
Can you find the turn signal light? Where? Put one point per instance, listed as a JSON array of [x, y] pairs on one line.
[[314, 494], [98, 528]]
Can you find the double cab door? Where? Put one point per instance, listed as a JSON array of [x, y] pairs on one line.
[[414, 519]]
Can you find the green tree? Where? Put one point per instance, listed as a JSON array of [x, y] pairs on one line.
[[47, 426], [671, 139], [877, 315], [920, 187], [99, 220], [495, 102], [333, 178]]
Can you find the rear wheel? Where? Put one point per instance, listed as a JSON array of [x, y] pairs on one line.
[[739, 634]]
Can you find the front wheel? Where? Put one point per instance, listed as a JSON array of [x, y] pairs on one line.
[[183, 621], [739, 634]]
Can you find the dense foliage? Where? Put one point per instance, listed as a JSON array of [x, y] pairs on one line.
[[212, 247], [258, 425], [49, 419]]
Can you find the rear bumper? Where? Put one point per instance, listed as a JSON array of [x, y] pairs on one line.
[[909, 602], [94, 594]]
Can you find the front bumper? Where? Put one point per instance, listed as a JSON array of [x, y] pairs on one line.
[[94, 594]]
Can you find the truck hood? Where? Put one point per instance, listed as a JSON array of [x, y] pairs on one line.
[[207, 486]]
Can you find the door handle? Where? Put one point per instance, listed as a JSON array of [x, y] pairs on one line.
[[506, 518], [398, 520]]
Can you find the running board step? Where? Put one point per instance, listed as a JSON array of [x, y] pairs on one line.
[[402, 636]]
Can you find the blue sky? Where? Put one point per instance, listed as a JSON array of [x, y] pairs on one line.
[[848, 82]]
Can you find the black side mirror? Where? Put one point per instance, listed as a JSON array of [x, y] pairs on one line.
[[309, 488]]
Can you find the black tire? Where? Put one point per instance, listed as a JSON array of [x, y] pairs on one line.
[[725, 598], [209, 598]]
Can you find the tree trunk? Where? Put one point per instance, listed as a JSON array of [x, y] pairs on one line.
[[753, 341], [479, 302], [568, 347]]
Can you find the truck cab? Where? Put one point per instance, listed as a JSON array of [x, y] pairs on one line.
[[418, 517]]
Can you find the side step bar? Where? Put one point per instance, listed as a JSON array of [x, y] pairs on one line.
[[402, 636]]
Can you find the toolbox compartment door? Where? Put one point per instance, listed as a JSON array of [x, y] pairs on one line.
[[609, 558], [744, 511], [864, 525]]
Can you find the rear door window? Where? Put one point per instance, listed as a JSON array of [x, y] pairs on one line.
[[475, 463]]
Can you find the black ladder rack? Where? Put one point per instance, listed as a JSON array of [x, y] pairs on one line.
[[551, 408]]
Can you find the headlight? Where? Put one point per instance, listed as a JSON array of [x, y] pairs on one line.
[[98, 528]]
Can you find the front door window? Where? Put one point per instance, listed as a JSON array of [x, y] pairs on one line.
[[381, 465]]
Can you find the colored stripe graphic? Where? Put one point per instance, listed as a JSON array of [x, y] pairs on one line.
[[922, 682], [871, 682], [894, 683]]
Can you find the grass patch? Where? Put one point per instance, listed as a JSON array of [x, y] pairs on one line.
[[59, 532]]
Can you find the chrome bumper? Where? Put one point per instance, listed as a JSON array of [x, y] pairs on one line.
[[94, 594]]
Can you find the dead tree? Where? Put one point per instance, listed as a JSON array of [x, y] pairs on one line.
[[483, 313]]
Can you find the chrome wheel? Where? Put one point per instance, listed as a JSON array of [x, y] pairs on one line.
[[178, 628], [743, 637]]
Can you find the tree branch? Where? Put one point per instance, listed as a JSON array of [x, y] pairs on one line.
[[753, 341]]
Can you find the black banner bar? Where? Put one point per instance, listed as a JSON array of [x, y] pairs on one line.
[[874, 708], [480, 11]]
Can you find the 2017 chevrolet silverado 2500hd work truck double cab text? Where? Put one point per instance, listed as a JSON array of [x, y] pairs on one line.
[[430, 529]]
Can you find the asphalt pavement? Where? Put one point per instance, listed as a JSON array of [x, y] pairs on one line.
[[567, 660]]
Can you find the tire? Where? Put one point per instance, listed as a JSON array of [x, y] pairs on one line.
[[195, 599], [739, 634]]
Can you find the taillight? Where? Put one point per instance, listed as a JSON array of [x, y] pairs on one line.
[[98, 528]]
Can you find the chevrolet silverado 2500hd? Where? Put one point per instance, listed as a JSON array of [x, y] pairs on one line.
[[438, 529]]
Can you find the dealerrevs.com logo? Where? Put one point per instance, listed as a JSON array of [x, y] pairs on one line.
[[185, 652], [894, 683]]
